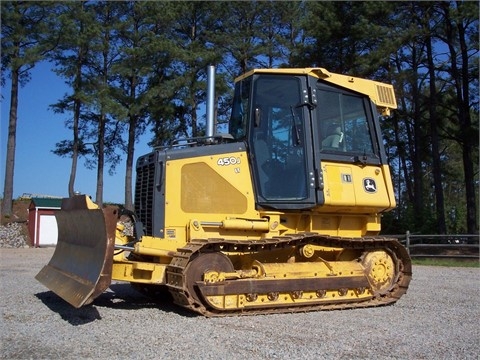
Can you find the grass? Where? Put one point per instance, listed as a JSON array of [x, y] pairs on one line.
[[447, 262]]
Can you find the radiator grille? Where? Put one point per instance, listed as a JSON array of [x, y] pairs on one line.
[[144, 194]]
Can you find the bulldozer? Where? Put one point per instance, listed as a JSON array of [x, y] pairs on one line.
[[281, 214]]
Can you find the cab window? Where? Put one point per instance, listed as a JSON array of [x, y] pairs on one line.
[[343, 123]]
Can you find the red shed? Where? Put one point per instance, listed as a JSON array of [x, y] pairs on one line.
[[42, 225]]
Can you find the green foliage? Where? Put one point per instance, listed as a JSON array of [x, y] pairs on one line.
[[64, 148], [29, 32]]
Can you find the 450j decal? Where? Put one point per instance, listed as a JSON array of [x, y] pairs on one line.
[[225, 161]]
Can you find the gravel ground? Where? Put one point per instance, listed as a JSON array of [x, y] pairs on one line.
[[437, 319]]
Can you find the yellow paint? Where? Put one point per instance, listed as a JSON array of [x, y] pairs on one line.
[[141, 272], [202, 188], [344, 187]]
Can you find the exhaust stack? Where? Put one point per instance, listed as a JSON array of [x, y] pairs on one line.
[[210, 131]]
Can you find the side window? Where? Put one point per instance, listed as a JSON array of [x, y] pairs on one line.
[[330, 115], [343, 123], [239, 118]]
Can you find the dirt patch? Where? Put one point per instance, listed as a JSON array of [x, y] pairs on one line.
[[20, 216], [19, 212]]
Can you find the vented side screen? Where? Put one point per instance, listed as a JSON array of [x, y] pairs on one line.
[[386, 96], [145, 193]]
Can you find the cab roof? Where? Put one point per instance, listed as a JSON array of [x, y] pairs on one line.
[[381, 94]]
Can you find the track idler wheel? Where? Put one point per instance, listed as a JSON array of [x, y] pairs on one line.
[[200, 265], [380, 270]]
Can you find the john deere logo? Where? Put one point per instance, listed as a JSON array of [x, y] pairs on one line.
[[369, 185]]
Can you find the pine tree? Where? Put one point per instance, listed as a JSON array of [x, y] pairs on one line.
[[27, 36], [71, 59]]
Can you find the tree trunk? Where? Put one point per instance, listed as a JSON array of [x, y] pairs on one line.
[[100, 159], [130, 146], [102, 123], [468, 144], [129, 165], [460, 79], [73, 170], [7, 202], [193, 114], [402, 145], [418, 196], [77, 105], [437, 171]]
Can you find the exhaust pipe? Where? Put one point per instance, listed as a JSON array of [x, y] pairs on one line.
[[210, 131]]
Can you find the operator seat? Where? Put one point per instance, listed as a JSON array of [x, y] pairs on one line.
[[333, 140]]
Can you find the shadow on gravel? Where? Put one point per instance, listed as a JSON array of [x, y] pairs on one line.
[[118, 296], [68, 313], [125, 297]]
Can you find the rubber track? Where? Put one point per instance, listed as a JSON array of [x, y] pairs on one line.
[[176, 277]]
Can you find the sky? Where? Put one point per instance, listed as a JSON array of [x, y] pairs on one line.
[[37, 170]]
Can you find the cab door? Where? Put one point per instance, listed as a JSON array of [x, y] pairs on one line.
[[280, 147]]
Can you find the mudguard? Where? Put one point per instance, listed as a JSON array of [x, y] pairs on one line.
[[81, 266]]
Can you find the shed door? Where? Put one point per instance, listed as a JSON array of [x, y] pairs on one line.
[[48, 230]]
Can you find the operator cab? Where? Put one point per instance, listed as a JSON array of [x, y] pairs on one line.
[[291, 123]]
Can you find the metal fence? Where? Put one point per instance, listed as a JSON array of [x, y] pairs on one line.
[[441, 246]]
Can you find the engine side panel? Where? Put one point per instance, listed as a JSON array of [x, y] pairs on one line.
[[208, 187]]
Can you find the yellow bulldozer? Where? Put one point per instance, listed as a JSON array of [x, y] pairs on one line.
[[282, 214]]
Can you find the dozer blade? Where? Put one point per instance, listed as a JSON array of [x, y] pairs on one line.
[[81, 266]]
